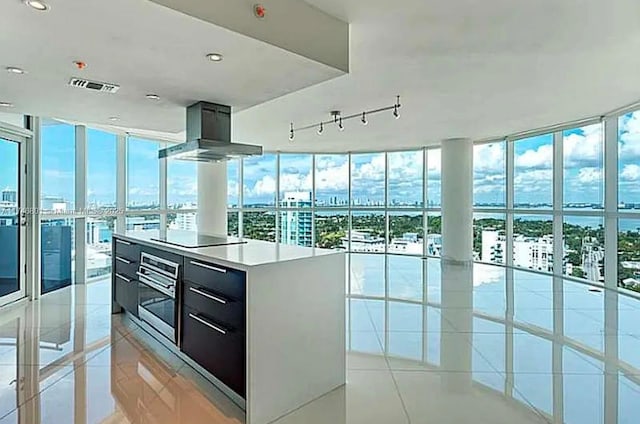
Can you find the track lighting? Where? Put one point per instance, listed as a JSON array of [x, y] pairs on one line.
[[396, 113], [337, 118]]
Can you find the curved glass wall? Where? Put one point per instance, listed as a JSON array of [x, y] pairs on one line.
[[534, 197]]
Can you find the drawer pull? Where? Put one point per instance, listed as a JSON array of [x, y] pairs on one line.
[[208, 295], [126, 243], [122, 277], [123, 260], [208, 324], [213, 268]]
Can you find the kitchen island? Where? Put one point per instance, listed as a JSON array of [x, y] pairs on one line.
[[263, 321]]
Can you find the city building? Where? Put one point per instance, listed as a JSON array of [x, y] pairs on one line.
[[142, 223], [363, 241], [296, 226], [54, 204], [9, 196]]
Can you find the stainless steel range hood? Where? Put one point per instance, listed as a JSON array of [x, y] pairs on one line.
[[209, 136]]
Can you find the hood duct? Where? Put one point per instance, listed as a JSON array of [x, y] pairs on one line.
[[209, 136]]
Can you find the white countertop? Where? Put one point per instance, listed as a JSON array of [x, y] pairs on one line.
[[250, 254]]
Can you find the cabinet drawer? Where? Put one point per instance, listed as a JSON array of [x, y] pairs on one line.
[[126, 249], [217, 278], [125, 266], [125, 292], [221, 308], [217, 349]]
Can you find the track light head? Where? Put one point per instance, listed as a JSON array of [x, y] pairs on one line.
[[340, 126], [364, 118], [396, 113], [291, 133], [321, 129]]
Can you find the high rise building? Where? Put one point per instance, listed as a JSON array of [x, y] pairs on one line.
[[295, 224], [186, 221], [9, 196]]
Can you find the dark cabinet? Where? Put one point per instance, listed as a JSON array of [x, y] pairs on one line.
[[226, 310], [214, 320], [226, 281], [126, 292], [125, 282], [219, 349]]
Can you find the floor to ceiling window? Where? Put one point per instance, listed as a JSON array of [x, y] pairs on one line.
[[533, 173], [143, 174], [57, 202], [583, 191], [101, 201], [489, 175], [259, 192], [10, 234], [629, 201], [388, 203], [182, 195], [143, 185]]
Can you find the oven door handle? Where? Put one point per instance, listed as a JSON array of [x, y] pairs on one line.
[[162, 288]]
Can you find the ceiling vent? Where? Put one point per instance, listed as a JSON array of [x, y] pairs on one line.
[[94, 85]]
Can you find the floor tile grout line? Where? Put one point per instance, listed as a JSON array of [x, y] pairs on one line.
[[386, 360], [468, 340], [404, 406]]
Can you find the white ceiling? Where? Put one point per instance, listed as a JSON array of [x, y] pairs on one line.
[[145, 48], [463, 68]]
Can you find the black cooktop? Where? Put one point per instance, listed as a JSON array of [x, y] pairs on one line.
[[194, 240]]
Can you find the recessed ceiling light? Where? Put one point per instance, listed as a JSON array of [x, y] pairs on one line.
[[38, 5], [152, 97], [114, 118], [215, 57], [6, 104], [14, 70]]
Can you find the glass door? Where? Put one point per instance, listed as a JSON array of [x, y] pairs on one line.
[[12, 222]]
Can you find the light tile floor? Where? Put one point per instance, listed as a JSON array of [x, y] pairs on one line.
[[538, 353]]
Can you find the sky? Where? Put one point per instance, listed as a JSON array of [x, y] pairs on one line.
[[583, 171], [9, 168], [583, 180], [58, 169]]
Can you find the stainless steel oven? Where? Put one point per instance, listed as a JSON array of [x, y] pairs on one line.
[[158, 278]]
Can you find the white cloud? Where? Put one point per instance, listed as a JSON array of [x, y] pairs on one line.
[[332, 176], [585, 148], [489, 158], [630, 172], [434, 164], [405, 166], [590, 175], [535, 180], [295, 182], [541, 158], [630, 137], [264, 186]]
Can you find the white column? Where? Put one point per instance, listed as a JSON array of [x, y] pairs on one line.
[[81, 205], [122, 186], [457, 200], [212, 198]]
